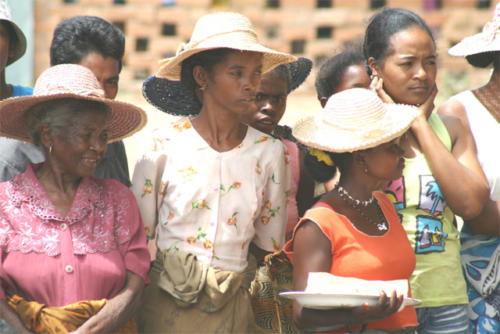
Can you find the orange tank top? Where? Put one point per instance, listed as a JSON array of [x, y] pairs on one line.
[[356, 254]]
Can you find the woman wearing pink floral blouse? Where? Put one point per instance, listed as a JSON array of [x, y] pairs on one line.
[[73, 254], [212, 186]]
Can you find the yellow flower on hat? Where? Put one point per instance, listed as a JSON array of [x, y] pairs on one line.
[[321, 156]]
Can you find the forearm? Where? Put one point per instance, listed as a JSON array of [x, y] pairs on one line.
[[118, 310], [465, 190], [325, 320], [11, 317], [488, 221]]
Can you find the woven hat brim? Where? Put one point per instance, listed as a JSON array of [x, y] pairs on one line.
[[170, 96], [170, 68], [474, 44], [126, 118], [20, 46], [299, 71], [332, 139]]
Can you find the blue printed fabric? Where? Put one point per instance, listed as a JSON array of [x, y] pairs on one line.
[[481, 264]]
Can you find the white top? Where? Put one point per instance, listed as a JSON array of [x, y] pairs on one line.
[[486, 132], [209, 203]]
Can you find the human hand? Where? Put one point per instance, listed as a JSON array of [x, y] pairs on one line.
[[427, 107], [385, 307], [377, 85]]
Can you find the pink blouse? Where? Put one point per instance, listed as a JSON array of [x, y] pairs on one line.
[[58, 260]]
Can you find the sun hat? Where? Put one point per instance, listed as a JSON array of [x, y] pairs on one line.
[[488, 40], [299, 71], [221, 30], [171, 97], [20, 46], [68, 81], [352, 120]]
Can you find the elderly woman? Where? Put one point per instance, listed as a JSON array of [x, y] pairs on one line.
[[73, 253], [354, 231], [213, 187]]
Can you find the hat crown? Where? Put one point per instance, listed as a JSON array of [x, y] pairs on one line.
[[68, 79], [354, 109], [212, 25], [5, 13]]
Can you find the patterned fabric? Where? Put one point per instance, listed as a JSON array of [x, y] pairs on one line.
[[293, 211], [429, 223], [356, 254], [50, 320], [213, 204], [481, 253], [48, 258], [273, 313]]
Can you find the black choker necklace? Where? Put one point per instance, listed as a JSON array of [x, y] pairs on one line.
[[358, 205]]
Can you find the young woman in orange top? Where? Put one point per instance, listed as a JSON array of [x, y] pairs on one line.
[[354, 230]]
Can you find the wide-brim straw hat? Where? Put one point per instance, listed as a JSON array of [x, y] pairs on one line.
[[171, 97], [352, 120], [68, 81], [488, 40], [221, 30], [19, 47], [299, 71]]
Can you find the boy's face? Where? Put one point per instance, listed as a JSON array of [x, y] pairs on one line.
[[271, 103], [106, 70]]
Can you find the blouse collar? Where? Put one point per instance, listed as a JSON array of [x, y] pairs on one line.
[[28, 189]]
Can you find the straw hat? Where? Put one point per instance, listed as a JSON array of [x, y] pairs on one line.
[[173, 98], [488, 40], [19, 47], [299, 71], [221, 30], [352, 120], [68, 81]]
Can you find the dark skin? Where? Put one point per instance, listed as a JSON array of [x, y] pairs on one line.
[[71, 155], [407, 75], [271, 102], [488, 221], [312, 249], [5, 54], [228, 94]]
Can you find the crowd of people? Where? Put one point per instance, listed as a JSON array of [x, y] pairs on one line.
[[226, 208]]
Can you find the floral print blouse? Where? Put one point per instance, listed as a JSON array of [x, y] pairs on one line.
[[209, 203]]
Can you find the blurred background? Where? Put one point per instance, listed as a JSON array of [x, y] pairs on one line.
[[316, 29]]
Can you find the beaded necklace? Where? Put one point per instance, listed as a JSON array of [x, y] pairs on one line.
[[360, 206]]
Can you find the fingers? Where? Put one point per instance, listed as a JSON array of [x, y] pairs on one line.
[[427, 107], [377, 85]]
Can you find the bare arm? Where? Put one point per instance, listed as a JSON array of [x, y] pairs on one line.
[[11, 317], [458, 172], [488, 221], [118, 310], [312, 251]]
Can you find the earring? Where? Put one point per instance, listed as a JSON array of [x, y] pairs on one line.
[[202, 88], [50, 148]]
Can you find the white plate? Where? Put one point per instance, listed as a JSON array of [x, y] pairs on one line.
[[324, 301]]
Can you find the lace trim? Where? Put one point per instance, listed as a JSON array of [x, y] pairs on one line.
[[31, 223]]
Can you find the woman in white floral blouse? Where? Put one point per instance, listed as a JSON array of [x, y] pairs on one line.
[[211, 186]]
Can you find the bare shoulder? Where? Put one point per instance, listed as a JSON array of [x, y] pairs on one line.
[[455, 126], [454, 108]]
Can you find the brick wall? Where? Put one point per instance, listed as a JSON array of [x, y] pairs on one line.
[[153, 31]]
